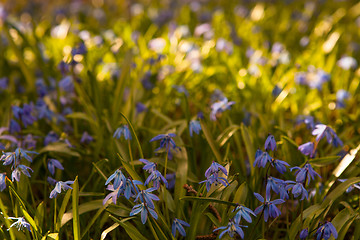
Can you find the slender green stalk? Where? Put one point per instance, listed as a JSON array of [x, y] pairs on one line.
[[166, 160]]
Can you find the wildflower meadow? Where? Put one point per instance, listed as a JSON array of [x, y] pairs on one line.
[[175, 119]]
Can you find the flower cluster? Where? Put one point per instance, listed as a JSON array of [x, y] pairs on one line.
[[212, 175]]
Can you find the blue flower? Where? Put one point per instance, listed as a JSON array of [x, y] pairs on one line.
[[29, 141], [122, 131], [231, 229], [181, 89], [261, 158], [143, 209], [214, 178], [273, 184], [268, 207], [155, 177], [308, 120], [50, 138], [242, 211], [145, 196], [171, 179], [43, 110], [341, 96], [60, 186], [140, 107], [307, 149], [166, 142], [178, 225], [298, 189], [2, 181], [306, 172], [215, 168], [322, 130], [270, 143], [3, 81], [149, 166], [130, 189], [279, 165], [113, 195], [304, 233], [20, 223], [276, 91], [119, 179], [347, 63], [15, 175], [194, 126], [14, 127], [325, 231], [52, 164], [219, 107], [86, 138]]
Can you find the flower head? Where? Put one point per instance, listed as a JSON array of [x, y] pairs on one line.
[[268, 207], [166, 141], [325, 231], [145, 196], [15, 175], [122, 131], [178, 225], [149, 166], [321, 130], [143, 209], [218, 107], [304, 233], [347, 63], [60, 186], [52, 164], [261, 158], [215, 168], [270, 143], [118, 177], [306, 172], [307, 149], [231, 229], [244, 212], [156, 177], [2, 181], [86, 138], [194, 126], [279, 165], [20, 223]]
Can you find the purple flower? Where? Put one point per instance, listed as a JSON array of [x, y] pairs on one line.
[[86, 138], [60, 186], [140, 107], [231, 229], [219, 107], [268, 207], [279, 165], [298, 189], [143, 209], [149, 166], [308, 120], [341, 96], [166, 142], [215, 168], [15, 175], [122, 131], [270, 143], [321, 130], [347, 63], [52, 164], [325, 231], [156, 177], [130, 189], [3, 80], [14, 127], [261, 158], [178, 225], [194, 126], [20, 223], [145, 196], [304, 233], [306, 172], [244, 212], [29, 141], [50, 138], [118, 177], [307, 149], [214, 178], [67, 84], [2, 181], [24, 114], [113, 195]]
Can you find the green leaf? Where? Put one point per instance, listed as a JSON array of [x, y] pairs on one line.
[[82, 208], [75, 210], [207, 200], [211, 142], [59, 147], [130, 170], [290, 149], [323, 161], [241, 194], [249, 145], [63, 209], [132, 231], [40, 214], [109, 229], [82, 116], [227, 134], [134, 134], [181, 177]]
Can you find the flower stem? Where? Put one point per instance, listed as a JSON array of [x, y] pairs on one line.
[[130, 153], [166, 160]]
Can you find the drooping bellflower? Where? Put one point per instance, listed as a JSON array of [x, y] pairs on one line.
[[178, 225], [123, 131], [232, 228], [325, 231], [52, 164], [218, 107], [20, 223], [60, 186], [268, 207], [243, 212], [305, 172]]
